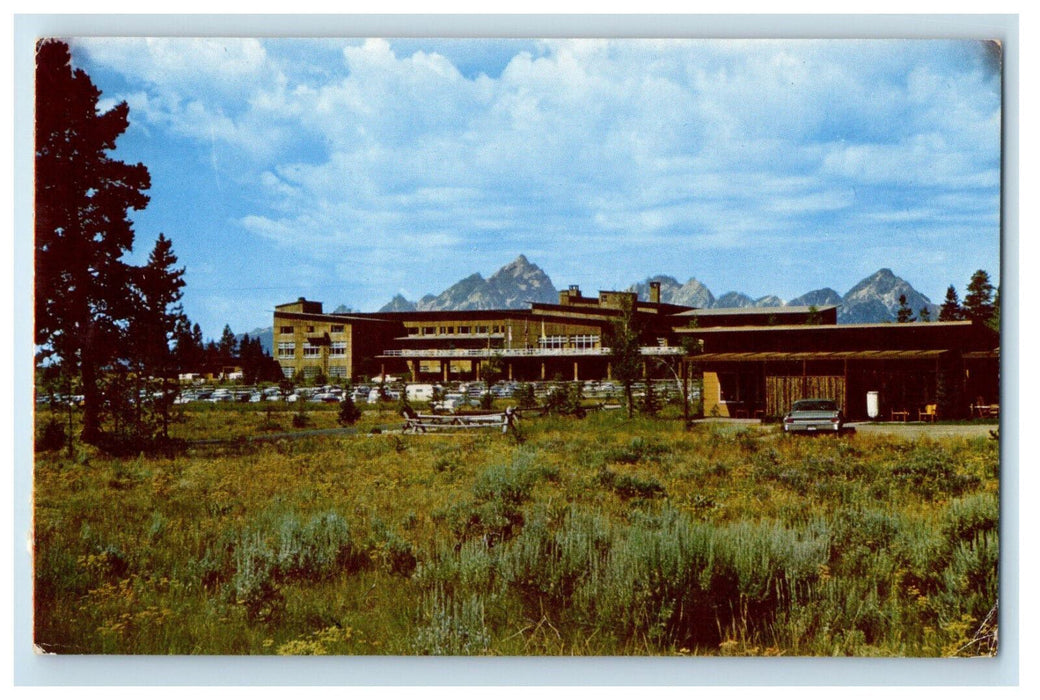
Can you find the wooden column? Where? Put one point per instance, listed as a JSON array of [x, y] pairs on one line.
[[575, 370], [444, 369]]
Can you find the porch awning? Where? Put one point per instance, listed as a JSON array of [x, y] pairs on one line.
[[983, 355], [803, 356]]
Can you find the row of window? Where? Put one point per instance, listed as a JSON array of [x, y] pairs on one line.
[[456, 330], [563, 341], [337, 349], [288, 330]]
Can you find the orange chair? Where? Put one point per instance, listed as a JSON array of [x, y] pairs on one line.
[[927, 413]]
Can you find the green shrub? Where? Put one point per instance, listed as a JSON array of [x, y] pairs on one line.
[[930, 471], [637, 449], [631, 485], [52, 437], [253, 586], [320, 548], [966, 518], [451, 627], [349, 413]]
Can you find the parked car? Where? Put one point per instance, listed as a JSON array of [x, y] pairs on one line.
[[814, 415]]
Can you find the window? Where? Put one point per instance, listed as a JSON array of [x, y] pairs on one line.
[[338, 349], [429, 330], [553, 342], [286, 349], [288, 372], [310, 329], [463, 329], [338, 372], [286, 330], [480, 329], [311, 350], [729, 388], [336, 329], [585, 341], [445, 330]]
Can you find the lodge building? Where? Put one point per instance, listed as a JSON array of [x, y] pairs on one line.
[[752, 362]]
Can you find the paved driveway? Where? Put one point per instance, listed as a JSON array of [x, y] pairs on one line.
[[916, 430]]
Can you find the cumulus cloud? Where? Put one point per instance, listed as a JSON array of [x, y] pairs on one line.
[[374, 149]]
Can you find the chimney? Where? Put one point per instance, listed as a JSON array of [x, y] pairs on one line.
[[572, 292], [655, 292]]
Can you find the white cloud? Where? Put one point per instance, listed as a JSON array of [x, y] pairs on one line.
[[574, 144]]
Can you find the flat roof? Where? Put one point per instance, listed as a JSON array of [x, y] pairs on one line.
[[329, 317], [835, 327], [837, 355], [763, 310]]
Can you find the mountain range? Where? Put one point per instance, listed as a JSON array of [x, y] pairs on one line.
[[874, 299]]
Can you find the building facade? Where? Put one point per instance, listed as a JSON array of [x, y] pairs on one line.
[[759, 371], [752, 362], [566, 340]]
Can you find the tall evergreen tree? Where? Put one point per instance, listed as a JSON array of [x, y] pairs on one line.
[[157, 317], [187, 346], [626, 360], [81, 226], [978, 302], [904, 314], [994, 320], [227, 347], [951, 306]]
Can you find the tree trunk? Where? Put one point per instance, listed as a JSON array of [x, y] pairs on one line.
[[91, 399]]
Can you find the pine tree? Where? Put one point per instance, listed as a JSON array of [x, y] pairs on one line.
[[81, 225], [951, 306], [156, 319], [187, 346], [625, 356], [904, 314], [978, 302], [227, 347]]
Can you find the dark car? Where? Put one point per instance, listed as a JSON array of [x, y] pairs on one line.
[[814, 416]]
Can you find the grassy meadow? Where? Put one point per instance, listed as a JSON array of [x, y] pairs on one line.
[[599, 536]]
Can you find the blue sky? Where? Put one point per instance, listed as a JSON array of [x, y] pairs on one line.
[[348, 171]]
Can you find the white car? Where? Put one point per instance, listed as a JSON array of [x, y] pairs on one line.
[[814, 416]]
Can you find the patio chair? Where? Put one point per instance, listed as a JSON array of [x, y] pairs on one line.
[[929, 412]]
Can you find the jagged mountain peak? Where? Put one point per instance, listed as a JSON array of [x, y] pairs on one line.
[[817, 297], [512, 286], [876, 298], [692, 293], [398, 303]]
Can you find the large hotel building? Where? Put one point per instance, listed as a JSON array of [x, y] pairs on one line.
[[751, 362]]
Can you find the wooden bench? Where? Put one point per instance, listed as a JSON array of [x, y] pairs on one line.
[[985, 410], [424, 423], [902, 415]]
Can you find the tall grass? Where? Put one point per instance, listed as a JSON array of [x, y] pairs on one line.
[[600, 536]]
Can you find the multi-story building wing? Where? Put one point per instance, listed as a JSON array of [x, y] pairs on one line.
[[309, 342], [568, 340]]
